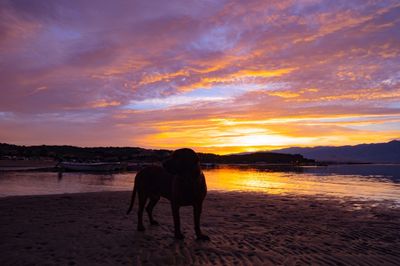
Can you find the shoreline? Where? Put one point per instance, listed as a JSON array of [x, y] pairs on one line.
[[245, 229], [390, 203], [51, 166]]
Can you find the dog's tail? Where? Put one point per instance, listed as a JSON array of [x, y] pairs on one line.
[[133, 196]]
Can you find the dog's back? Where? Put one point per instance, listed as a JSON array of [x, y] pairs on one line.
[[154, 180]]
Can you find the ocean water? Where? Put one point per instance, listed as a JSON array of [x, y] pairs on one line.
[[369, 182]]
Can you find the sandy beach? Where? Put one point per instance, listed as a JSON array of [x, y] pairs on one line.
[[245, 228]]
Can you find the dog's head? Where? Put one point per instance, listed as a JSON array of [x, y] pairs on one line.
[[183, 162]]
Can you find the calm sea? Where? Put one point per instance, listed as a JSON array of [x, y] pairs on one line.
[[378, 182]]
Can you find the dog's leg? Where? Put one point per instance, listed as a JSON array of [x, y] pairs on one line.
[[150, 207], [177, 221], [197, 208], [142, 203]]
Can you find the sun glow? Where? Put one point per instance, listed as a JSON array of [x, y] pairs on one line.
[[223, 136], [263, 140]]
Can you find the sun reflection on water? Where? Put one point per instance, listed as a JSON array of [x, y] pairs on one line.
[[303, 183]]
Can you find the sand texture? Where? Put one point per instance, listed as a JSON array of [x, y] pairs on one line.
[[246, 229]]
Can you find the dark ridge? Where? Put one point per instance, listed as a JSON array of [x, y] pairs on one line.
[[135, 154], [364, 153]]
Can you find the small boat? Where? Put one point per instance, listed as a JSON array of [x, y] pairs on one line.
[[92, 167]]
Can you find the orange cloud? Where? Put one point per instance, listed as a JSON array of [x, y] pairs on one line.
[[104, 103]]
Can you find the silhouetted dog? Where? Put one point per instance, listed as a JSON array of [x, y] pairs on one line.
[[180, 180]]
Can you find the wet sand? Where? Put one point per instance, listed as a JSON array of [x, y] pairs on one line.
[[245, 228]]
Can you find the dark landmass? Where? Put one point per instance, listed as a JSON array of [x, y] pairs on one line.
[[80, 154], [135, 154], [255, 158], [364, 153]]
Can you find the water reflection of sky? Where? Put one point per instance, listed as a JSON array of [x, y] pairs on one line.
[[305, 182], [361, 181]]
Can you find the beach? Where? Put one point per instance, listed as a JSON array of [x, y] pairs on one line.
[[245, 229]]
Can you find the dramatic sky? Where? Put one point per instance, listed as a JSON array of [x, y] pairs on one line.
[[219, 76]]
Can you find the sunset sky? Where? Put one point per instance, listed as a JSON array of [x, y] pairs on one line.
[[217, 76]]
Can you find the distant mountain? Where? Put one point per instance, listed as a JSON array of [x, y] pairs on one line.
[[363, 153]]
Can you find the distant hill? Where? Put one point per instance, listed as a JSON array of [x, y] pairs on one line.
[[72, 153], [135, 154], [254, 158], [363, 153]]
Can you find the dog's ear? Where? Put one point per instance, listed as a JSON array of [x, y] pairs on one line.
[[171, 166]]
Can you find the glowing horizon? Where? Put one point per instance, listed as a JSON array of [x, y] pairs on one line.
[[216, 76]]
